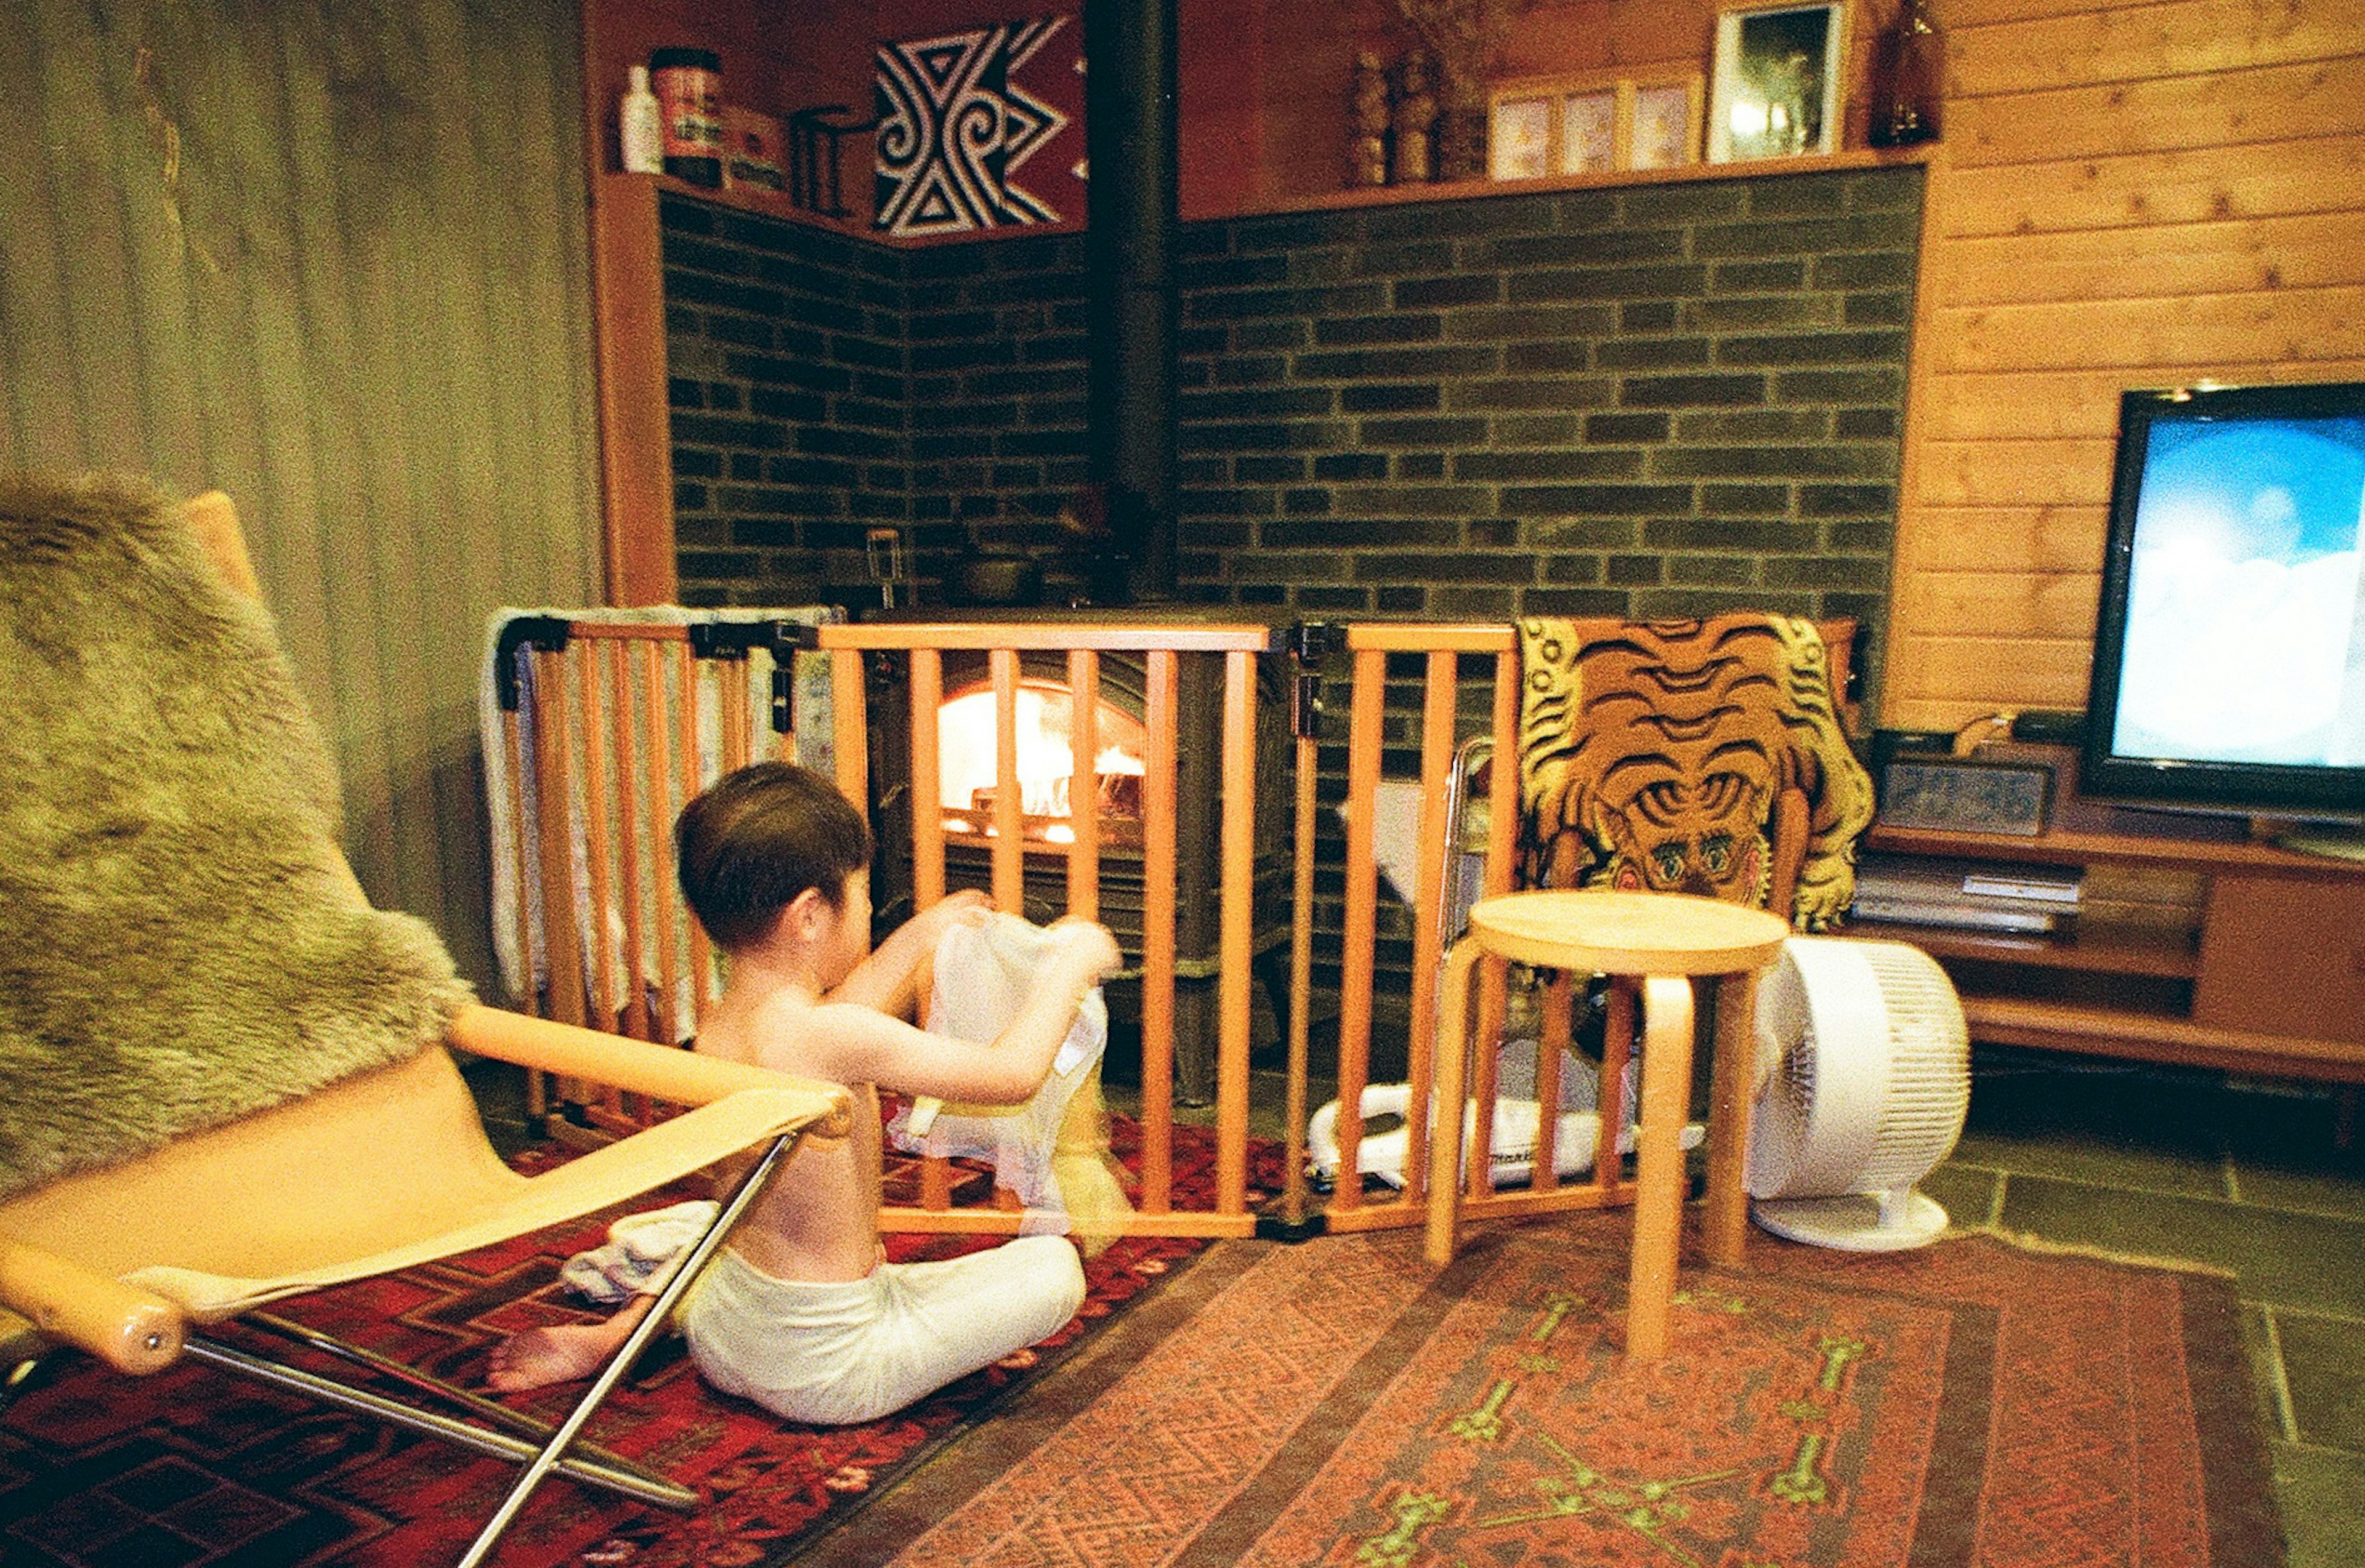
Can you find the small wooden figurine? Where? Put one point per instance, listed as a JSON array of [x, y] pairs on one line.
[[1415, 118]]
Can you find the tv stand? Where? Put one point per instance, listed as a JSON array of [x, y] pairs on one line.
[[2342, 843], [2272, 982]]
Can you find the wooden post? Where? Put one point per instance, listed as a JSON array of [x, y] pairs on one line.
[[1083, 783], [673, 1027], [1357, 959], [1731, 1098], [1436, 720], [1009, 808], [1238, 851], [927, 779], [1445, 1152], [1162, 709]]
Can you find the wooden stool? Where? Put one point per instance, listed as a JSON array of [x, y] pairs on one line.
[[1666, 939]]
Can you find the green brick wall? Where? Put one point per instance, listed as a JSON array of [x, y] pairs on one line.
[[1653, 400]]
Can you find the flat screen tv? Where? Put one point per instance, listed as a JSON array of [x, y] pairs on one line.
[[2229, 652]]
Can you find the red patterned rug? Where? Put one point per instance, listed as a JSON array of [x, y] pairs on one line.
[[1338, 1402], [194, 1467]]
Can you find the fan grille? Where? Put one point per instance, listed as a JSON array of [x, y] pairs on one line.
[[1889, 1103], [1929, 1081]]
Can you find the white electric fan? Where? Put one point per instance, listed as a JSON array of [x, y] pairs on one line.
[[1866, 1075]]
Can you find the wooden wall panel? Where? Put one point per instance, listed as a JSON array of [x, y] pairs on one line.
[[2217, 109], [329, 257], [2025, 539], [2131, 194], [2238, 256], [2160, 189], [2049, 46], [1990, 473]]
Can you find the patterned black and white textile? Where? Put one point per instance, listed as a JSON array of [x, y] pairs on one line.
[[955, 125]]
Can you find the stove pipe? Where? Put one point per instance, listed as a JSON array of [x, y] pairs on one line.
[[1130, 299]]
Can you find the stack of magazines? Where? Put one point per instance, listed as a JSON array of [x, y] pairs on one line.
[[1968, 895]]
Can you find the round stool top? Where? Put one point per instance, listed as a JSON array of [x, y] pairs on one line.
[[1614, 933]]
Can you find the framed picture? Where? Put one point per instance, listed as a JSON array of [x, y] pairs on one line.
[[1965, 795], [1593, 124], [1777, 87], [1518, 141], [1588, 133], [1666, 125]]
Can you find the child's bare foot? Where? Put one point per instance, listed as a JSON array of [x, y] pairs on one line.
[[564, 1352], [542, 1356]]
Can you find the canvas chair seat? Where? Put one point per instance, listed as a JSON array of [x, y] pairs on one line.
[[379, 1172]]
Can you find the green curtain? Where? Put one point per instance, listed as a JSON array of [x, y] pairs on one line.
[[328, 256]]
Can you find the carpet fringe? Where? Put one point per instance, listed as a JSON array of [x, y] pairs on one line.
[[2028, 1241]]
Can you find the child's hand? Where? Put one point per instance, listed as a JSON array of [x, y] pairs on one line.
[[1089, 945]]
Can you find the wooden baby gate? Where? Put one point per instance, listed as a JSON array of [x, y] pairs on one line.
[[613, 724], [1443, 736], [1159, 649], [1447, 728], [628, 720]]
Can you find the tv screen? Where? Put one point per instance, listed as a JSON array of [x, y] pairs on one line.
[[2229, 654]]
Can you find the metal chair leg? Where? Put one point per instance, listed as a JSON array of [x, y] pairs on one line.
[[476, 1404], [660, 1311]]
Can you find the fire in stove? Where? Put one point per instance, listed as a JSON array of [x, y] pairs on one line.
[[1047, 767]]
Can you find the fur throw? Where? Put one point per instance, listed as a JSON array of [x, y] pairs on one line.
[[180, 941]]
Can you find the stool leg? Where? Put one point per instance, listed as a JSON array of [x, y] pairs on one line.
[[1659, 1163], [1452, 1060], [1732, 1101], [1609, 1098]]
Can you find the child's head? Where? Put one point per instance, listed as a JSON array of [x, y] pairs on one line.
[[756, 839]]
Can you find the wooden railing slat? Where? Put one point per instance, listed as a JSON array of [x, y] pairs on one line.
[[1009, 805], [928, 680], [1162, 714], [1083, 783]]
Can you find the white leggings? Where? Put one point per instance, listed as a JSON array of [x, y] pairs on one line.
[[837, 1353]]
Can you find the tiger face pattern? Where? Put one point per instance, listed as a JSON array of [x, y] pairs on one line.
[[1652, 755]]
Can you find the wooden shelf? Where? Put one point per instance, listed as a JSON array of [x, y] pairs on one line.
[[1681, 174], [2153, 1036], [2275, 983], [2104, 951], [771, 204], [2076, 848]]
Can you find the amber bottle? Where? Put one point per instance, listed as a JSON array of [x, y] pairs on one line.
[[1909, 74]]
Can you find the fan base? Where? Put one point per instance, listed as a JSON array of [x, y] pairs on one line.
[[1852, 1223]]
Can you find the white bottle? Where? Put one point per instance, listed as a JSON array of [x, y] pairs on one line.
[[640, 128]]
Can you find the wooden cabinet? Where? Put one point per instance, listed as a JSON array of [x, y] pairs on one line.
[[2271, 980]]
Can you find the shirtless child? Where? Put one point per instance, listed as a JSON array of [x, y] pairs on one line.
[[800, 1312]]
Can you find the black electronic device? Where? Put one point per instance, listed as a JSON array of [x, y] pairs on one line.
[[2229, 652]]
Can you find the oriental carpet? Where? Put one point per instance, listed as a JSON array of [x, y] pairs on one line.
[[1976, 1403], [192, 1467]]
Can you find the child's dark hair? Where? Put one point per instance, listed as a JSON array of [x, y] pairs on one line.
[[756, 839]]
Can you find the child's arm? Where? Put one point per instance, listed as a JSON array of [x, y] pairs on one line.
[[863, 1046], [887, 979]]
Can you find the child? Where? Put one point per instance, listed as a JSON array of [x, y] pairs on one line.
[[800, 1312]]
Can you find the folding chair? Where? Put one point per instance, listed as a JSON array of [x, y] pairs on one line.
[[139, 1259]]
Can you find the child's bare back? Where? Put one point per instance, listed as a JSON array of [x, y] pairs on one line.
[[803, 996]]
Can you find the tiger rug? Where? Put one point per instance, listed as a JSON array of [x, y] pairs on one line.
[[1652, 755]]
